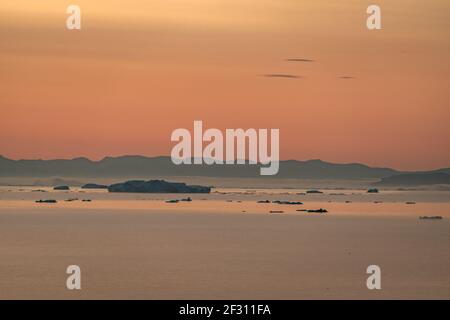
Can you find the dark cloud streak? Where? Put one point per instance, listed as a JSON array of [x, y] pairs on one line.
[[298, 60], [281, 75]]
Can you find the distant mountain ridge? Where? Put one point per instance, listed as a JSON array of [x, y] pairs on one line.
[[141, 166], [414, 179]]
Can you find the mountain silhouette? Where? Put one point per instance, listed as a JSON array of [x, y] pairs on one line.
[[414, 179], [140, 166]]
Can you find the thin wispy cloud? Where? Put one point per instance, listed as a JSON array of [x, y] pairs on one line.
[[281, 75], [346, 77], [298, 60]]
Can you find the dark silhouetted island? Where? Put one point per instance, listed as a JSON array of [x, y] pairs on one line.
[[94, 186], [157, 186]]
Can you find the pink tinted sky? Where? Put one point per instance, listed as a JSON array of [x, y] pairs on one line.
[[134, 73]]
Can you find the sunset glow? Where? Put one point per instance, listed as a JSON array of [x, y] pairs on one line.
[[134, 73]]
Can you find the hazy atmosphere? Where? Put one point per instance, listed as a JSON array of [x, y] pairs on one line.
[[135, 72], [349, 197]]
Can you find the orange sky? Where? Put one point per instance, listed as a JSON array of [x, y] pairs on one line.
[[136, 72]]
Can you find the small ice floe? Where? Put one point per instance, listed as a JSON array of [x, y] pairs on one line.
[[71, 199], [287, 202], [314, 191], [348, 201], [321, 210], [276, 211], [86, 200], [46, 201], [188, 199], [410, 202], [430, 217], [263, 201], [61, 188], [372, 190]]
